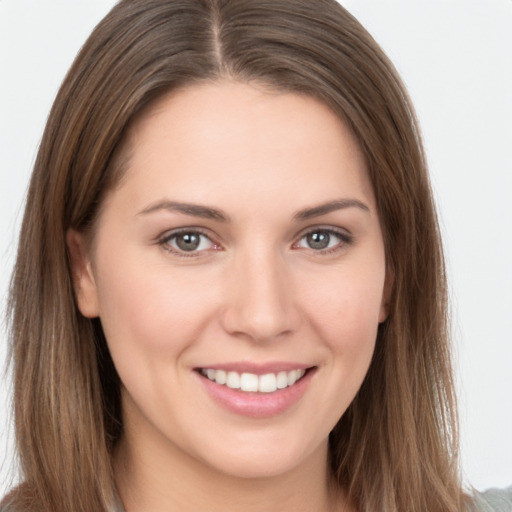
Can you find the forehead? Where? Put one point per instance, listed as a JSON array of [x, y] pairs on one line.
[[211, 140]]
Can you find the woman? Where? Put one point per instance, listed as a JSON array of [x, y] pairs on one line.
[[240, 295]]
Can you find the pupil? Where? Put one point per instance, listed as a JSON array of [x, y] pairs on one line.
[[188, 241], [319, 240]]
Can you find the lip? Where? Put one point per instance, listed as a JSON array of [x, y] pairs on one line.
[[257, 368], [253, 404]]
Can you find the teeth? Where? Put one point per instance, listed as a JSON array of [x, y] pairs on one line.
[[232, 380], [251, 382], [282, 380], [267, 383], [292, 377], [220, 377]]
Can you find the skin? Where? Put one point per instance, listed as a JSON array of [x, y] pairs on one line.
[[254, 290]]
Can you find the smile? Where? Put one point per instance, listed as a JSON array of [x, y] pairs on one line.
[[250, 382], [256, 391]]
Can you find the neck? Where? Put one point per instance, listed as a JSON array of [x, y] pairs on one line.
[[172, 480]]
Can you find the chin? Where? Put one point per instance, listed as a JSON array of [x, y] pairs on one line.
[[263, 459]]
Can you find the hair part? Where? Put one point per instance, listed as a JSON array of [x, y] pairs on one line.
[[395, 449]]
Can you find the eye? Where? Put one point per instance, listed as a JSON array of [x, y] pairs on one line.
[[324, 240], [187, 241]]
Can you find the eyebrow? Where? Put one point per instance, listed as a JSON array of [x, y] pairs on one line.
[[331, 206], [207, 212], [194, 210]]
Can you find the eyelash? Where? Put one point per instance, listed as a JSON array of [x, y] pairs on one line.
[[345, 238], [165, 240]]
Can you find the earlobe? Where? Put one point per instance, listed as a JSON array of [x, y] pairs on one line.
[[386, 295], [83, 279]]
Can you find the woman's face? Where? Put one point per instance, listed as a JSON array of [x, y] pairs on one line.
[[242, 248]]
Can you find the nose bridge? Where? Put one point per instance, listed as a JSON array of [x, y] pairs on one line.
[[260, 304]]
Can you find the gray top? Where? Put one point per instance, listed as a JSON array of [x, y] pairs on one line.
[[493, 500]]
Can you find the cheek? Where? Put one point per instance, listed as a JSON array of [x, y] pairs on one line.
[[149, 311], [342, 311], [346, 305]]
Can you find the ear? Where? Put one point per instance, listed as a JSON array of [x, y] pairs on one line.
[[82, 275], [386, 295]]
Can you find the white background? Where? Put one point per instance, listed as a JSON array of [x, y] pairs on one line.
[[456, 58]]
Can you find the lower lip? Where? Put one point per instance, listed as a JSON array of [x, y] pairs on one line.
[[257, 405]]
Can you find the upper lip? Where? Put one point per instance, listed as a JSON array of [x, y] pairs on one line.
[[256, 368]]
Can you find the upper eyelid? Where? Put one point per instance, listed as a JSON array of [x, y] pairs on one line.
[[346, 238], [167, 235], [329, 229], [165, 238]]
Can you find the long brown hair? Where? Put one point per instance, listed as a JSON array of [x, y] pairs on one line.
[[395, 449]]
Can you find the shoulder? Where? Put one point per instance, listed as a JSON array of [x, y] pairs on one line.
[[6, 504], [494, 500]]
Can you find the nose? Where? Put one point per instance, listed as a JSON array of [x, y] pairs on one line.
[[260, 303]]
